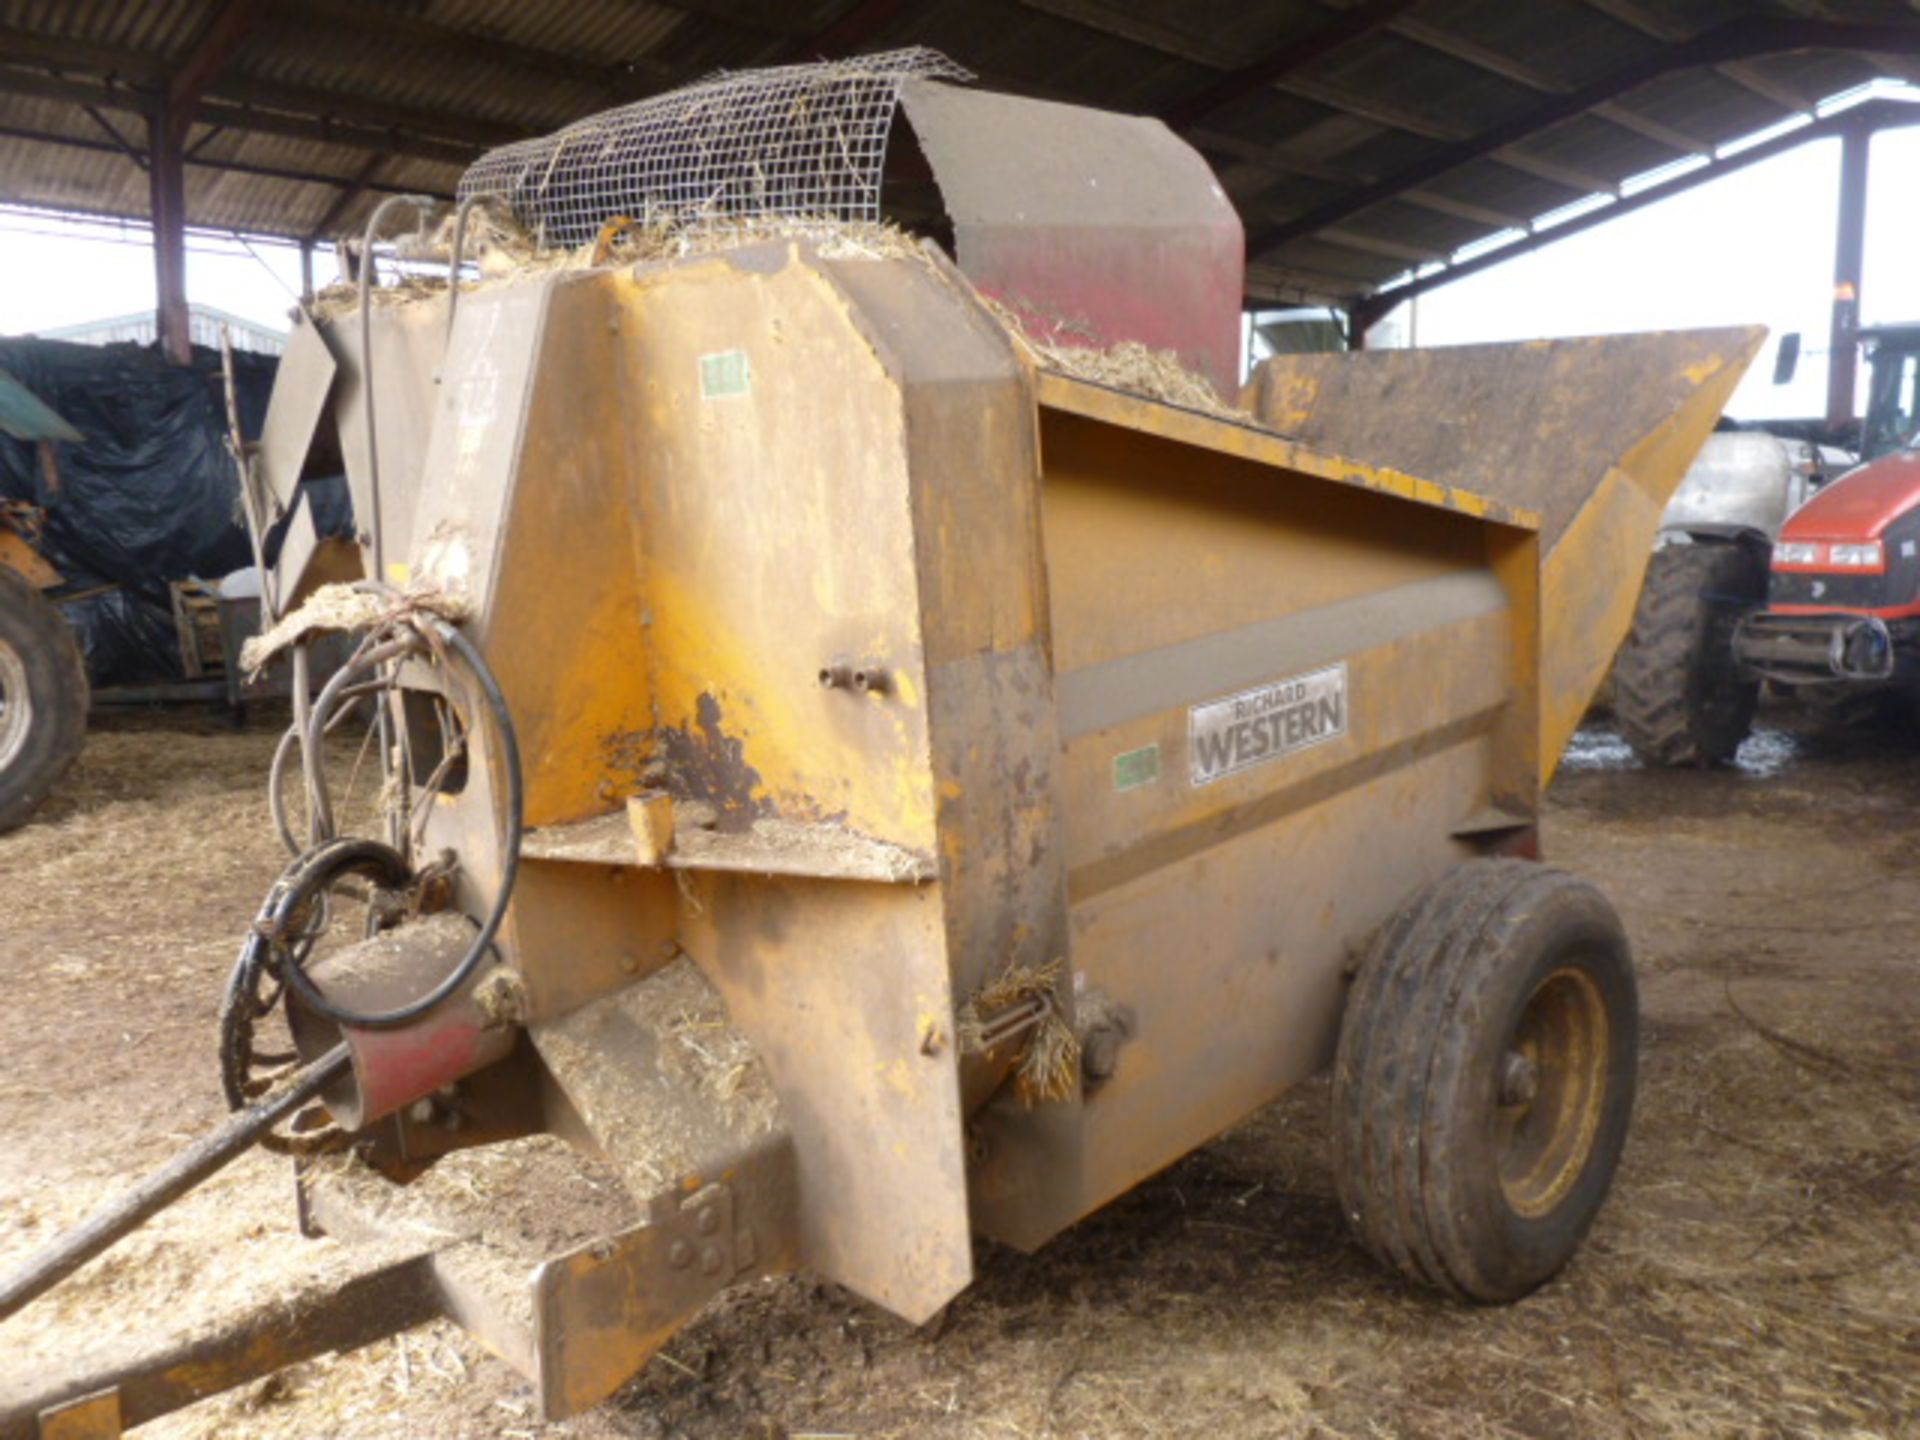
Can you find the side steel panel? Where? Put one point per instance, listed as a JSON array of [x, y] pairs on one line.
[[1091, 226]]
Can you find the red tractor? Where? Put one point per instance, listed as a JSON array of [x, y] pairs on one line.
[[1833, 614], [1842, 620]]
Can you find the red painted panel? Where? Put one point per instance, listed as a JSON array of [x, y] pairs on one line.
[[1861, 505]]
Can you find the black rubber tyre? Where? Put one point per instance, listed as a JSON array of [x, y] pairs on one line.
[[43, 699], [1842, 708], [1448, 1168], [1679, 696]]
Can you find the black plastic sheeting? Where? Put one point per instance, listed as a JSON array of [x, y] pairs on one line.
[[126, 634], [149, 497]]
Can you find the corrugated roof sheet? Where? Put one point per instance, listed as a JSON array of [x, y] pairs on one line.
[[326, 105]]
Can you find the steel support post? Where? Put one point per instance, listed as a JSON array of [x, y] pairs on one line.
[[166, 180], [1849, 252]]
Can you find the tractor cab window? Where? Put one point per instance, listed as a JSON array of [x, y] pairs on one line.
[[1893, 403]]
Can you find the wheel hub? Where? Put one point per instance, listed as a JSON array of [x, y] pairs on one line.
[[1551, 1091], [16, 705], [1519, 1081]]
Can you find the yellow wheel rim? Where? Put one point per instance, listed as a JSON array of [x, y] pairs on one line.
[[1551, 1091]]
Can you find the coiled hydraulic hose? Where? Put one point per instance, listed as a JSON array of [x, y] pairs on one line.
[[282, 937]]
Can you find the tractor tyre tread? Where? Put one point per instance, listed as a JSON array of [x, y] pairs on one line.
[[57, 685], [1679, 696]]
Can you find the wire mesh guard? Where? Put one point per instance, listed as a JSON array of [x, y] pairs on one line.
[[797, 140]]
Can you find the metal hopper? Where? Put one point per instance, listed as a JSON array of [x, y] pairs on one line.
[[867, 791]]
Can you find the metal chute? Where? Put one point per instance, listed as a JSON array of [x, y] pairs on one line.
[[1592, 434]]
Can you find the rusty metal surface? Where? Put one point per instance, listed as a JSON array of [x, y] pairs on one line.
[[579, 1320], [394, 1293], [485, 1247], [91, 1417], [1093, 227], [460, 1276], [18, 555], [843, 992], [602, 1311], [768, 846]]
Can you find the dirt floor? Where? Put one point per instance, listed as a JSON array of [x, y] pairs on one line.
[[1757, 1271]]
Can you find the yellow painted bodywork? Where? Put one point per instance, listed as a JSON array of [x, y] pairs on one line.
[[1593, 435], [690, 500]]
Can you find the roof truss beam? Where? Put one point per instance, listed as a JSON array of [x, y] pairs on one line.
[[1739, 39], [329, 104], [1463, 210], [1636, 16], [1755, 81], [846, 32], [1471, 52], [120, 142], [1118, 24], [1279, 160], [1880, 115], [1373, 245], [206, 59], [241, 118], [1567, 177], [1236, 81], [351, 190], [131, 83], [391, 23], [1380, 112], [238, 167], [1287, 62]]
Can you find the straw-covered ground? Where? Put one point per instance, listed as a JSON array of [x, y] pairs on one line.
[[1756, 1273]]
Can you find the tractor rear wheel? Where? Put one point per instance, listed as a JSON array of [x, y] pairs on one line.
[[1679, 695], [43, 698], [1484, 1078]]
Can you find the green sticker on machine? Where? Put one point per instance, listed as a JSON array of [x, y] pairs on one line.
[[723, 374], [1136, 768]]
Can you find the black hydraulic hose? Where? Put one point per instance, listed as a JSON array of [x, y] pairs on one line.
[[303, 884], [297, 979], [190, 1167]]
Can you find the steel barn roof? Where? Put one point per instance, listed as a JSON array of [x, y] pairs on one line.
[[1358, 140]]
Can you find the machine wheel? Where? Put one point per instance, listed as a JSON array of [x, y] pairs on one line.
[[1484, 1078], [1841, 708], [1679, 695], [43, 699]]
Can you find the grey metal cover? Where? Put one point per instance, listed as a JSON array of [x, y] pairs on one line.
[[796, 140], [25, 416]]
